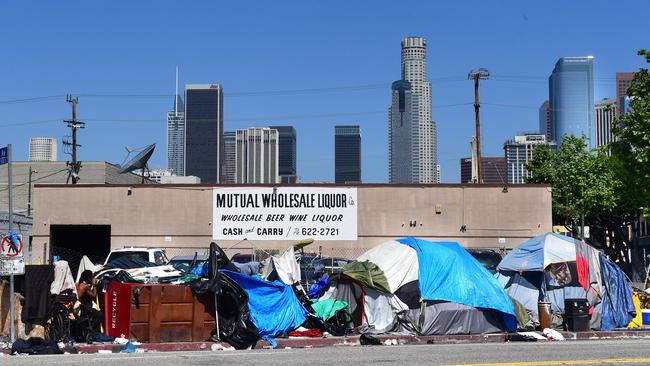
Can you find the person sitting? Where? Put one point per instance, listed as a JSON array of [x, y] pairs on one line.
[[88, 318]]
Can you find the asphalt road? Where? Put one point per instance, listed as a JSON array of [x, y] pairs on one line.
[[595, 352]]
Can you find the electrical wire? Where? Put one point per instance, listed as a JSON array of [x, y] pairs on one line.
[[34, 180]]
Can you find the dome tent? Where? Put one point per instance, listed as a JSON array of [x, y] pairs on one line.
[[555, 267], [425, 288]]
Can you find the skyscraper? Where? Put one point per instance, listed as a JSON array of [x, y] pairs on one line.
[[623, 82], [606, 112], [571, 99], [347, 154], [257, 156], [176, 135], [412, 131], [494, 170], [545, 120], [203, 131], [42, 149], [229, 171], [518, 152], [287, 149]]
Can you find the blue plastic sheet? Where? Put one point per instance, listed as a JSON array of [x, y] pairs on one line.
[[448, 272], [529, 255], [274, 307], [316, 290], [617, 307]]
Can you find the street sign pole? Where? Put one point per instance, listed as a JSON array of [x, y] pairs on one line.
[[12, 315]]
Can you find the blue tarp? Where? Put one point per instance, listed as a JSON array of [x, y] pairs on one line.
[[274, 307], [529, 255], [448, 272], [617, 307]]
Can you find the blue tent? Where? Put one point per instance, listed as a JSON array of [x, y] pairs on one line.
[[448, 272], [274, 307]]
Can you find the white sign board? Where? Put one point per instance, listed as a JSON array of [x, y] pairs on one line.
[[284, 213], [12, 266]]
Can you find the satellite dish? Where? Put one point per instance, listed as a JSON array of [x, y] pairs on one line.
[[139, 161]]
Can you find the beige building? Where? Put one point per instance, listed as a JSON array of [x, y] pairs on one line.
[[171, 217], [27, 174]]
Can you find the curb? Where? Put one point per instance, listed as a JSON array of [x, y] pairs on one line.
[[300, 342]]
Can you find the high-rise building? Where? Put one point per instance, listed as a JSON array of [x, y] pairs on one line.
[[204, 131], [623, 82], [571, 99], [494, 170], [229, 171], [167, 176], [545, 120], [42, 149], [606, 112], [176, 135], [411, 129], [518, 152], [257, 156], [347, 154], [287, 157]]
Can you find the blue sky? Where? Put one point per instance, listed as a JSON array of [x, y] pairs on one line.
[[305, 63]]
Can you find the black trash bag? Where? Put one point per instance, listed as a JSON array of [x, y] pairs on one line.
[[340, 323], [35, 346], [368, 340]]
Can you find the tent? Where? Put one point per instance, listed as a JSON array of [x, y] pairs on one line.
[[422, 287], [555, 267]]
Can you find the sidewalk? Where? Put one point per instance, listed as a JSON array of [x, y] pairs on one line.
[[354, 341]]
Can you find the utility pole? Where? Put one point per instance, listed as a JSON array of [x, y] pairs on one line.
[[476, 75], [29, 193], [73, 124]]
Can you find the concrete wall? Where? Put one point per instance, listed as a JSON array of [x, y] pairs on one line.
[[475, 216]]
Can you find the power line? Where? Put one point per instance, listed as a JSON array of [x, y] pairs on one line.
[[35, 180], [34, 99]]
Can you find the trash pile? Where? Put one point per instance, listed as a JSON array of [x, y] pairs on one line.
[[405, 286]]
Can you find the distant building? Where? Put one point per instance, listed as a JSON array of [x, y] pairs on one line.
[[494, 170], [167, 176], [412, 134], [287, 149], [518, 152], [42, 149], [229, 171], [545, 120], [176, 134], [347, 154], [438, 174], [55, 172], [257, 156], [606, 112], [203, 131], [623, 82], [571, 99]]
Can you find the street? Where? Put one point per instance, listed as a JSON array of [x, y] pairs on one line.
[[594, 352]]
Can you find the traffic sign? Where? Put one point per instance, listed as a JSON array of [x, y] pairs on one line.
[[10, 249], [12, 266], [4, 155]]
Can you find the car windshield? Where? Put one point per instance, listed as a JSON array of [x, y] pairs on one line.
[[139, 256], [488, 259], [184, 264]]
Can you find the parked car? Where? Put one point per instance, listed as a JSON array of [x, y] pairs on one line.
[[242, 258], [489, 258], [312, 268], [184, 262], [153, 255]]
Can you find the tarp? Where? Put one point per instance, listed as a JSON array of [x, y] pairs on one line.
[[275, 309], [287, 267], [537, 253], [618, 307], [367, 274], [325, 309], [452, 274], [442, 317], [87, 264]]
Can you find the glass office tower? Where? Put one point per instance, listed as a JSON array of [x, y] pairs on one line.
[[204, 131], [571, 99], [347, 154]]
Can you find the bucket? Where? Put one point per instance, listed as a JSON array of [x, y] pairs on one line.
[[645, 313], [544, 311]]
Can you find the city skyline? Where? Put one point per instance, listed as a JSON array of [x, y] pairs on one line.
[[268, 85]]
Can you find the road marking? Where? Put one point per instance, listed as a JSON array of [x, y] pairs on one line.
[[595, 361]]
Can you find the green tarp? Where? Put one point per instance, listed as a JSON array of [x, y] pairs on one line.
[[325, 309], [367, 274]]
